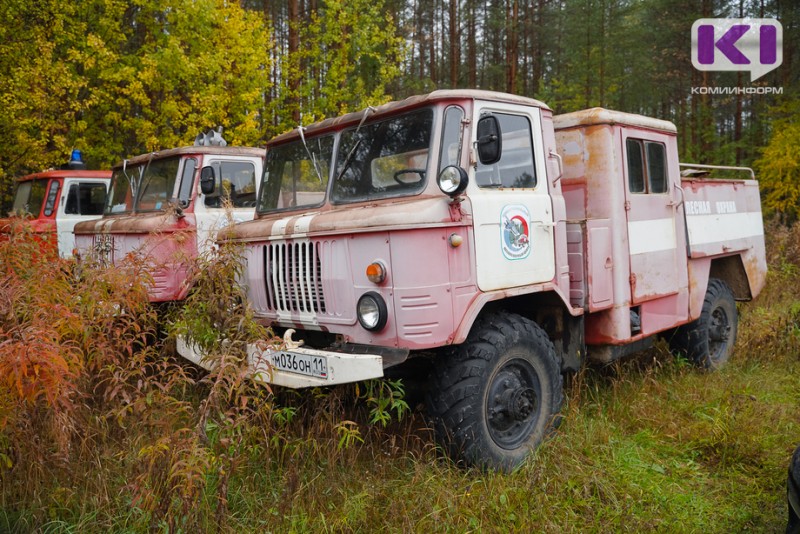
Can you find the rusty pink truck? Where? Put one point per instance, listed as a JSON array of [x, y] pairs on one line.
[[476, 231], [167, 207]]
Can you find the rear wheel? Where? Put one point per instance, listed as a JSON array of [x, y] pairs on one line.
[[494, 398], [709, 341], [793, 494]]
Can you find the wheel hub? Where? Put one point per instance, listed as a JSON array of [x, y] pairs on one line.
[[523, 403], [513, 404], [719, 331]]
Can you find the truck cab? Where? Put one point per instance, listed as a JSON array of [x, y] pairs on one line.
[[360, 193], [477, 231], [166, 207], [55, 201]]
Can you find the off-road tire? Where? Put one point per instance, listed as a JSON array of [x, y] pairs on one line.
[[708, 341], [494, 398], [793, 494]]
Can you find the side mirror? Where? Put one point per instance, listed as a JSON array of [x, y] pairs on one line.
[[207, 180], [452, 180], [490, 141]]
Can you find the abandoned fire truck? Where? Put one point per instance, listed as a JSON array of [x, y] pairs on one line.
[[167, 207], [504, 244], [56, 200]]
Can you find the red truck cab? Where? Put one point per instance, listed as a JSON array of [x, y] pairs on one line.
[[55, 201]]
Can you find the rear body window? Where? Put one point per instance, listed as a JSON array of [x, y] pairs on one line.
[[647, 166]]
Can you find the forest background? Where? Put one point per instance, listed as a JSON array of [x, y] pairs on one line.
[[119, 78]]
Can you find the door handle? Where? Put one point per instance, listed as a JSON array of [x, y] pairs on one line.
[[557, 157], [683, 197]]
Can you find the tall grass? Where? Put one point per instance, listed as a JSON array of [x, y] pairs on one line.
[[102, 429]]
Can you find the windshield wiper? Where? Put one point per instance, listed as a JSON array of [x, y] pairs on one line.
[[133, 185], [346, 162], [142, 175], [310, 155]]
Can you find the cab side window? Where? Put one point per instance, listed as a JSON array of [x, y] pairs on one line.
[[236, 180], [85, 199], [52, 194], [515, 168], [187, 181], [647, 166], [451, 137]]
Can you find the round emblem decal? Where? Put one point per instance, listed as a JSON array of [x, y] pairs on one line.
[[515, 232]]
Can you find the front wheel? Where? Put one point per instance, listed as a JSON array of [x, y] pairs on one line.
[[708, 341], [494, 398]]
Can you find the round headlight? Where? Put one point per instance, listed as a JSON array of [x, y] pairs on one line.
[[371, 311], [452, 180]]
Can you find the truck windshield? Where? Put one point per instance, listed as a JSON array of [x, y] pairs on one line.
[[383, 159], [28, 197], [143, 187], [296, 175]]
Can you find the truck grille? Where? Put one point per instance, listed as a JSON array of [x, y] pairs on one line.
[[293, 276]]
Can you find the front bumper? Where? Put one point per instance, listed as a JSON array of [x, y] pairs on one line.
[[297, 367]]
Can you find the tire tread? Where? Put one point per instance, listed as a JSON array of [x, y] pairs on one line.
[[691, 340], [456, 381]]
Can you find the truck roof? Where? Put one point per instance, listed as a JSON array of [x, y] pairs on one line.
[[409, 103], [64, 173], [594, 116], [220, 150]]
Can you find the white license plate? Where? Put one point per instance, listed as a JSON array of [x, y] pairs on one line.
[[302, 364]]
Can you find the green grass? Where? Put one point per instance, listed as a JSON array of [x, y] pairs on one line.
[[649, 444], [664, 448]]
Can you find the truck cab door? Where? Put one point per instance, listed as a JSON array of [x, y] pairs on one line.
[[656, 229], [236, 180], [81, 200], [512, 209]]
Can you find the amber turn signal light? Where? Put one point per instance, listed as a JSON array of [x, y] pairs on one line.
[[376, 272]]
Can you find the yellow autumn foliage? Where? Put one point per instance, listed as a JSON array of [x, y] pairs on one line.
[[117, 78], [779, 165]]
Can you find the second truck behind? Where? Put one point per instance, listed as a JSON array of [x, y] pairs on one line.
[[167, 207]]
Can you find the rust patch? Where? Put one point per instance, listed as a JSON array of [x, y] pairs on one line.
[[601, 173], [135, 224], [755, 265]]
